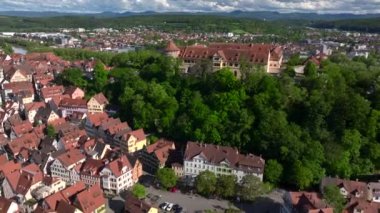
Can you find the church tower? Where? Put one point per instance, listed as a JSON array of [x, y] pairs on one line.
[[172, 50]]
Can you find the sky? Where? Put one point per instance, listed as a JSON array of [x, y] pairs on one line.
[[90, 6]]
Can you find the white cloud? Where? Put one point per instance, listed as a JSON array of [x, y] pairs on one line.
[[355, 6]]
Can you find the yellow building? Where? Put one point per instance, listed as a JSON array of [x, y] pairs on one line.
[[133, 141], [97, 103]]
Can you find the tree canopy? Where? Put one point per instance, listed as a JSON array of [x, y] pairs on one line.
[[326, 123], [139, 191], [166, 177], [205, 183]]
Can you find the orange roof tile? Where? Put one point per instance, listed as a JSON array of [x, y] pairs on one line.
[[91, 199]]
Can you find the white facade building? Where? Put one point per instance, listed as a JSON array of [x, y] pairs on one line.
[[117, 175], [66, 166], [220, 160]]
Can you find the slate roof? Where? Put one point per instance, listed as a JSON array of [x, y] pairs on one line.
[[216, 154]]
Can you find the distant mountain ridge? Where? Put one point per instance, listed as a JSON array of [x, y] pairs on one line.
[[263, 15]]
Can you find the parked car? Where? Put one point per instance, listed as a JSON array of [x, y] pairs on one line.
[[177, 208], [163, 206], [169, 207]]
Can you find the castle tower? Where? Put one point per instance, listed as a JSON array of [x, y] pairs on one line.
[[172, 50]]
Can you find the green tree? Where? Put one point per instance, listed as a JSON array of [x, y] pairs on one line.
[[100, 77], [310, 69], [50, 131], [302, 175], [139, 191], [294, 60], [7, 48], [334, 198], [251, 187], [166, 177], [205, 183], [273, 171], [72, 77], [226, 186]]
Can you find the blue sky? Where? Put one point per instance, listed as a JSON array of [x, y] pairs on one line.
[[322, 6]]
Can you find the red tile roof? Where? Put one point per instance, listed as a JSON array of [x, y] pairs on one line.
[[22, 181], [73, 103], [352, 187], [28, 141], [91, 199], [362, 205], [71, 138], [5, 204], [117, 165], [64, 195], [161, 149], [216, 154], [91, 167], [10, 167], [3, 159], [34, 106], [101, 99], [310, 202], [49, 92], [171, 47], [97, 118], [22, 128], [17, 87], [233, 53], [71, 157], [71, 90], [138, 134]]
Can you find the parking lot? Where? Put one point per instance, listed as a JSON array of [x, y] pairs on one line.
[[190, 203]]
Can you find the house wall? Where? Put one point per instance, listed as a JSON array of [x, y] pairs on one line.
[[52, 117], [27, 100], [178, 171], [7, 189], [58, 170], [137, 171], [94, 107], [13, 208], [114, 183], [66, 111], [31, 114], [132, 145], [149, 161], [77, 94], [193, 167], [18, 77]]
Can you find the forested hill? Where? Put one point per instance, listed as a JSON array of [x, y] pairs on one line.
[[191, 23], [328, 123], [200, 22], [361, 25]]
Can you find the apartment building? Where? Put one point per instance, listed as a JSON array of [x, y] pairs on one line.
[[117, 175], [221, 160], [66, 165]]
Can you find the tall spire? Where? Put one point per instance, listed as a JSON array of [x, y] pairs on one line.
[[171, 47]]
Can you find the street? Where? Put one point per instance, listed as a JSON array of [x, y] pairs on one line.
[[190, 203]]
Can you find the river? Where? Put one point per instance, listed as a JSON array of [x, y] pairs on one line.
[[19, 50]]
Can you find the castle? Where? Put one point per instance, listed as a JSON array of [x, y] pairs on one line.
[[229, 55]]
